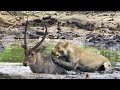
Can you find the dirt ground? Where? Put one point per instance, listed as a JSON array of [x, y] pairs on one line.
[[99, 29]]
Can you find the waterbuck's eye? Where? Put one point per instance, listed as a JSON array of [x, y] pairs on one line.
[[32, 54]]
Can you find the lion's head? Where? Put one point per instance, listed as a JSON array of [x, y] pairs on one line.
[[60, 49]]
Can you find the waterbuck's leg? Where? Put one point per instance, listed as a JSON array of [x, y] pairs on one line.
[[71, 66]]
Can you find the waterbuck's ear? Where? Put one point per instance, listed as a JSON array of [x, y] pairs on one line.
[[41, 49]]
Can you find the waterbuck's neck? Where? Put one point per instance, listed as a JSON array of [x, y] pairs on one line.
[[39, 58]]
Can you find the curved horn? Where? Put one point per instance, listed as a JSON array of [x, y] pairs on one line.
[[25, 37], [36, 46]]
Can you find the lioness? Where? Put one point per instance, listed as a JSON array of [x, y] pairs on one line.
[[81, 57]]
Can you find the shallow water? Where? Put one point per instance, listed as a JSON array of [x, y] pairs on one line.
[[17, 71]]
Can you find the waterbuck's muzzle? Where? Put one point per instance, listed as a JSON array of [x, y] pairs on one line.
[[24, 64]]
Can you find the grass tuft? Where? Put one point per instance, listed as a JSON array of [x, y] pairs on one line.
[[12, 53], [113, 56]]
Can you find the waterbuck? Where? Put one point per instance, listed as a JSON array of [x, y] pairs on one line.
[[37, 61]]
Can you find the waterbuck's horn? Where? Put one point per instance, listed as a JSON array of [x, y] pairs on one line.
[[39, 43], [25, 37]]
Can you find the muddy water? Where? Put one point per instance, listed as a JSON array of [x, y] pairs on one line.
[[17, 71]]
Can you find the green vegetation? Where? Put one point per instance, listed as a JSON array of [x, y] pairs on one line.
[[48, 49], [110, 54], [14, 53]]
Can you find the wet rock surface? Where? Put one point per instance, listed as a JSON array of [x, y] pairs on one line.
[[111, 42], [100, 30]]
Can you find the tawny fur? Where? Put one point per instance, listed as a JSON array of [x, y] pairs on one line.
[[81, 57]]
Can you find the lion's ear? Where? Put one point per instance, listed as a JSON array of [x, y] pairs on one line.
[[66, 44]]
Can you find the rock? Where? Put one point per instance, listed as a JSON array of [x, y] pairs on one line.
[[4, 13], [72, 27], [110, 42], [7, 19], [63, 35], [38, 22]]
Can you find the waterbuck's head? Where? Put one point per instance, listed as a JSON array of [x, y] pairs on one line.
[[31, 54]]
